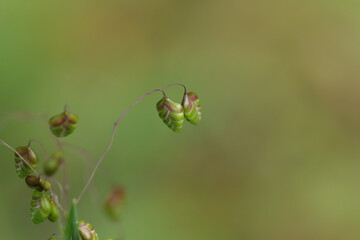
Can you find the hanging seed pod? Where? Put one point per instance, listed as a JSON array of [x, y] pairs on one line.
[[37, 183], [40, 207], [172, 113], [192, 108], [53, 163], [22, 169], [115, 202], [63, 124], [87, 231], [54, 212]]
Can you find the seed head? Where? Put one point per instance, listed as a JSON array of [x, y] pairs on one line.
[[37, 183], [27, 153], [87, 231], [63, 124], [172, 113], [40, 207], [53, 163], [192, 108]]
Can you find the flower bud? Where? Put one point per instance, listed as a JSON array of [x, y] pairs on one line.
[[172, 113], [192, 108], [114, 203], [63, 124], [87, 232], [37, 183], [26, 152], [40, 207], [52, 164]]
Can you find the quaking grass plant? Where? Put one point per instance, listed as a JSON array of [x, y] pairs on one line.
[[44, 202]]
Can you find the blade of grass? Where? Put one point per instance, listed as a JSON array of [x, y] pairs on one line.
[[72, 229]]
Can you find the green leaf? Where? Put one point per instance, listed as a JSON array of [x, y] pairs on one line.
[[72, 229]]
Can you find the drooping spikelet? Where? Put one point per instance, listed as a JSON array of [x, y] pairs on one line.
[[172, 113], [26, 152], [52, 164], [192, 108], [87, 231], [37, 183], [40, 207], [54, 212], [63, 124]]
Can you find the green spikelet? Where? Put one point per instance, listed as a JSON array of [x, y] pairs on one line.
[[22, 169], [87, 231], [63, 124], [172, 113], [192, 108], [52, 164], [37, 183], [40, 207], [54, 212]]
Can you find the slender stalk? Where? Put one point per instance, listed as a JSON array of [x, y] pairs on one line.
[[113, 134], [41, 147]]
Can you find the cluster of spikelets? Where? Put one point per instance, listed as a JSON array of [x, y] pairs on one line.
[[173, 113], [44, 203]]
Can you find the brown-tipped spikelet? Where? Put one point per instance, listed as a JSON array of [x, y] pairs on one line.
[[37, 183]]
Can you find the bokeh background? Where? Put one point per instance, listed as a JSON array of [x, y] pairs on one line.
[[276, 155]]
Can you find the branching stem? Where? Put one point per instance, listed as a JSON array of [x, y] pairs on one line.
[[113, 134]]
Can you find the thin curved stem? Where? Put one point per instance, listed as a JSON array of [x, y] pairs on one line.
[[174, 84], [113, 134], [40, 145], [28, 164]]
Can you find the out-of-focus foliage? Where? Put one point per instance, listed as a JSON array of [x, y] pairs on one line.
[[276, 155]]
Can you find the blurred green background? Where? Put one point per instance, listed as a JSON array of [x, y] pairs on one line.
[[276, 155]]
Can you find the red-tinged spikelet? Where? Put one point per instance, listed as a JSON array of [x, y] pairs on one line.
[[172, 113], [192, 108]]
